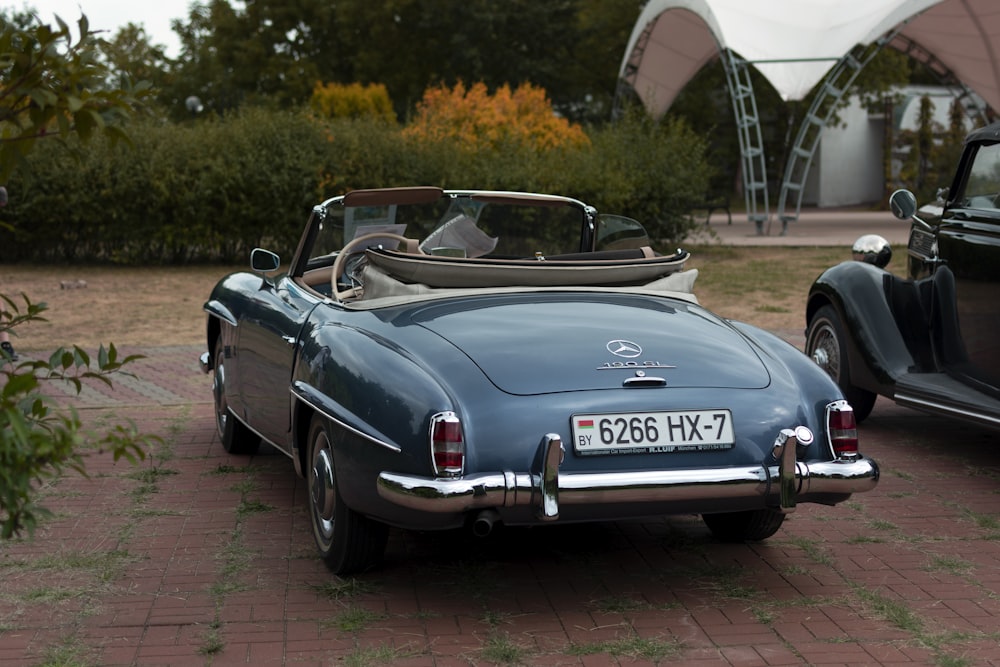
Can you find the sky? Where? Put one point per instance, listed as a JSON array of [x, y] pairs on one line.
[[153, 15]]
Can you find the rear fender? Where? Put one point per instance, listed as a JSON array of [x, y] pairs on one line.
[[877, 352], [378, 401]]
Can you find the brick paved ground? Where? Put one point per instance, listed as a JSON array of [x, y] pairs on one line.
[[199, 558]]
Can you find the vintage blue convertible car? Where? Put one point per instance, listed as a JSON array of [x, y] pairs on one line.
[[433, 360]]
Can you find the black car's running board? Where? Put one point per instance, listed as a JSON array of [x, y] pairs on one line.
[[941, 394]]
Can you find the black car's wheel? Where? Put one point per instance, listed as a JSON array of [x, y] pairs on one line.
[[749, 526], [826, 344], [236, 437], [347, 541]]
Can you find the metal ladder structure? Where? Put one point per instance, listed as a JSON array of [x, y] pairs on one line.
[[836, 84], [754, 168]]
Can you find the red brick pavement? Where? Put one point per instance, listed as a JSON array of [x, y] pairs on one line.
[[199, 558]]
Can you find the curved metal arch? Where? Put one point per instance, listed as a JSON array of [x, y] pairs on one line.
[[836, 84], [752, 157]]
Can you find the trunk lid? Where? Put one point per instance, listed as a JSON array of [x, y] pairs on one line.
[[546, 343]]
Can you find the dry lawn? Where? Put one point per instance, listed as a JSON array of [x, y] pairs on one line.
[[162, 306]]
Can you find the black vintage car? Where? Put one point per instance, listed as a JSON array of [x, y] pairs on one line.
[[930, 341]]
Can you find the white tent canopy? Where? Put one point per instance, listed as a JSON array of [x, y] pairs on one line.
[[794, 43]]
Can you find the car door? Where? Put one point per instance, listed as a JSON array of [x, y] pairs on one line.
[[969, 243], [268, 340]]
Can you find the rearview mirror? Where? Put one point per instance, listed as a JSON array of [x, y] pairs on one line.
[[903, 204], [264, 261]]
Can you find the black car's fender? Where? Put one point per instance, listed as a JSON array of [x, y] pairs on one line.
[[877, 351]]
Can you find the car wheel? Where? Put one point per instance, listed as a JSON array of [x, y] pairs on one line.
[[347, 541], [749, 526], [236, 437], [827, 346]]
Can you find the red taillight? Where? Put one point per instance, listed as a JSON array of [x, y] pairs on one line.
[[842, 429], [447, 445]]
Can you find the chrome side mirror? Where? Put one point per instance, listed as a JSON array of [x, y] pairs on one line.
[[872, 249], [903, 204], [264, 261]]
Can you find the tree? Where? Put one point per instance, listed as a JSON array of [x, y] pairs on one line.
[[55, 87], [51, 86], [274, 51]]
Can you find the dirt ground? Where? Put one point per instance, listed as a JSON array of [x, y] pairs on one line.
[[156, 306]]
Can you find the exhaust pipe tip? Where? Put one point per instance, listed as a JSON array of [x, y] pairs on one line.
[[483, 524]]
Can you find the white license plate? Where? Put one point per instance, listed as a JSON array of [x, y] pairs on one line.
[[653, 432]]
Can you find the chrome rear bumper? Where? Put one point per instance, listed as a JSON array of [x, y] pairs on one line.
[[545, 489]]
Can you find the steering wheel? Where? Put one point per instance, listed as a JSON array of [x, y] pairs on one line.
[[350, 249]]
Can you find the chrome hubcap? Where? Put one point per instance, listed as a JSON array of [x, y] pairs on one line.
[[324, 499], [219, 391], [826, 352]]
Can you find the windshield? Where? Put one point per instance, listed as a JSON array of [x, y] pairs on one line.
[[461, 226]]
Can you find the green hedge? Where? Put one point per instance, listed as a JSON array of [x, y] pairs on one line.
[[211, 190]]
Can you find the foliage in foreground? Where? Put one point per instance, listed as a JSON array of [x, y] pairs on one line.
[[38, 439], [54, 87]]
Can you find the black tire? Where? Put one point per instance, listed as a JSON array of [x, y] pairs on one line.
[[347, 541], [235, 436], [749, 526], [827, 346]]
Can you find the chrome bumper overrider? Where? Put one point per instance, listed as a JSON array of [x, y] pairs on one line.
[[546, 488]]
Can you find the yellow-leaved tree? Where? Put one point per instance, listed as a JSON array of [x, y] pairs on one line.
[[352, 100], [478, 120]]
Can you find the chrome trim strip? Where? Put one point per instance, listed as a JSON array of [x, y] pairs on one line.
[[508, 489], [907, 400], [302, 392], [216, 308]]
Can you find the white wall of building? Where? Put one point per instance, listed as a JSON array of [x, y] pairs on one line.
[[847, 167]]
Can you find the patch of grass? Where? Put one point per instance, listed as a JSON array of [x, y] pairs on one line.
[[344, 589], [248, 507], [894, 612], [150, 475], [883, 525], [948, 564], [70, 652], [988, 522], [244, 486], [368, 656], [225, 469], [105, 566], [51, 594], [212, 643], [354, 619], [500, 649], [770, 309], [655, 650], [864, 539], [236, 560], [620, 604], [814, 551], [494, 618]]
